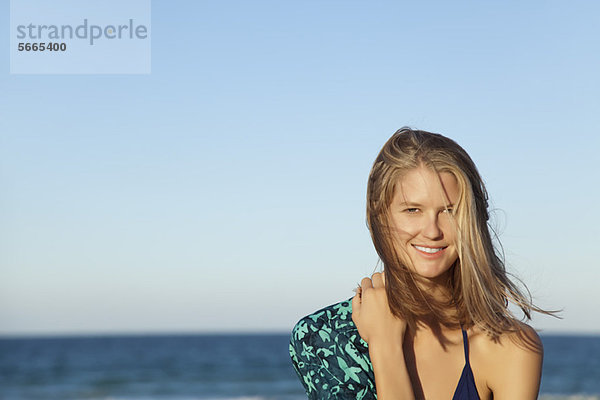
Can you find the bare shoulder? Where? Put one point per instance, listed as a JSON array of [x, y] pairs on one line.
[[524, 343], [512, 363]]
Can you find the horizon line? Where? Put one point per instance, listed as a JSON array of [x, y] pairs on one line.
[[108, 334]]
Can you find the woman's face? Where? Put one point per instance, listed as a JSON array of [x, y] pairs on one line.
[[424, 231]]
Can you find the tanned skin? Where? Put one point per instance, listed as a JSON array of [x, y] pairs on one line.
[[427, 363]]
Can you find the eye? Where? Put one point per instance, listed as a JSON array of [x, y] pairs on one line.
[[412, 210], [449, 210]]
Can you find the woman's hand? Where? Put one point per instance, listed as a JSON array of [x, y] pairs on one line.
[[371, 313], [384, 333]]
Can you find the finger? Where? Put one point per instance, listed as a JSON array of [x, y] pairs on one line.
[[377, 280], [356, 304], [365, 284]]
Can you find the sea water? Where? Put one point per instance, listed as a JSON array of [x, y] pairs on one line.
[[203, 367]]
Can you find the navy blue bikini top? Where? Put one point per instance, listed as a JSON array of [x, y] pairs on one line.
[[466, 389]]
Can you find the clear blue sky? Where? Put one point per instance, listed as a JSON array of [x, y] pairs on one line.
[[225, 191]]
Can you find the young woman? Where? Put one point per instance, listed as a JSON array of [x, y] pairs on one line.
[[435, 324]]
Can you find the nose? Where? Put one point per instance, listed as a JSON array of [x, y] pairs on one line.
[[432, 229]]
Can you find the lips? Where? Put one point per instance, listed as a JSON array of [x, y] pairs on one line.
[[429, 250]]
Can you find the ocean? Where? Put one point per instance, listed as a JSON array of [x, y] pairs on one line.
[[211, 367]]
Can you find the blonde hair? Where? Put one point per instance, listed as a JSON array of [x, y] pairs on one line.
[[480, 286]]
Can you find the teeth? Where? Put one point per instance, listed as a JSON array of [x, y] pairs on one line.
[[429, 250]]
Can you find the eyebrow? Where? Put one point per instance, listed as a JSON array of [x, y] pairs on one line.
[[416, 205]]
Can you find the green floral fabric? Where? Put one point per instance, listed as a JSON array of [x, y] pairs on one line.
[[329, 356]]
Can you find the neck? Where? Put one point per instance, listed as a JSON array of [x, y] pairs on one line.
[[439, 288], [440, 291]]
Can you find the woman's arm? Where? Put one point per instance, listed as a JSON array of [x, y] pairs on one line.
[[325, 356], [518, 366], [391, 376], [384, 334]]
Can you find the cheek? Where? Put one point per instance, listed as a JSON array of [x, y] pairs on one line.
[[449, 229], [405, 229], [454, 256], [402, 236], [401, 239]]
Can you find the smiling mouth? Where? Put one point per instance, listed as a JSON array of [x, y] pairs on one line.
[[429, 250]]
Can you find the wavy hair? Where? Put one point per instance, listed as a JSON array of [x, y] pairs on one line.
[[479, 283]]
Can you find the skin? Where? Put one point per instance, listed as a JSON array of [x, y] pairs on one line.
[[427, 363]]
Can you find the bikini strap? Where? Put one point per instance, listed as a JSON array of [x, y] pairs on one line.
[[466, 345]]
